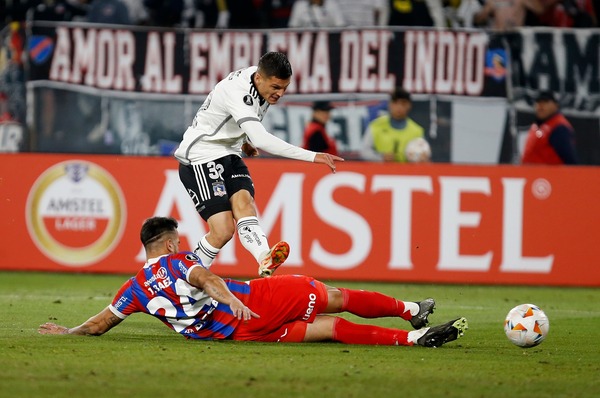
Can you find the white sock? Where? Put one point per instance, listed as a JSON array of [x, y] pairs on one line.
[[412, 307], [415, 335], [252, 236], [206, 252]]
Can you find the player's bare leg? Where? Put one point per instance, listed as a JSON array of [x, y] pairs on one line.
[[221, 227]]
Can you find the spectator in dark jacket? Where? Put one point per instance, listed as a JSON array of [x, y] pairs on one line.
[[315, 134], [551, 139]]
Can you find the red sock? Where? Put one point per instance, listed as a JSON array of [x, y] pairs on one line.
[[352, 333], [372, 304]]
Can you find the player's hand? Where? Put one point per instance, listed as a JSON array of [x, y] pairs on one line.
[[240, 311], [52, 328], [328, 159], [249, 149]]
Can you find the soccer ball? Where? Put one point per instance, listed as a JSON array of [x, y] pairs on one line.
[[526, 325], [418, 150]]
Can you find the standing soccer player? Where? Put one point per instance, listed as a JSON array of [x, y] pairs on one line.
[[211, 165]]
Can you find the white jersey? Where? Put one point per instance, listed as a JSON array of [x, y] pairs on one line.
[[231, 114]]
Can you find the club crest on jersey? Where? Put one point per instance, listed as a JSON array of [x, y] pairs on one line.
[[248, 100], [219, 189]]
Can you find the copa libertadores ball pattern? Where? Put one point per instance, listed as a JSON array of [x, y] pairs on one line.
[[526, 325]]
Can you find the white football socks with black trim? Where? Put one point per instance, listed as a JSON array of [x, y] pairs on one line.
[[206, 252], [252, 236]]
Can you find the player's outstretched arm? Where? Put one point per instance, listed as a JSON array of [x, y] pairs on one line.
[[95, 326], [261, 139], [328, 159]]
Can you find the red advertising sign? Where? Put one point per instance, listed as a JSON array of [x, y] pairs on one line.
[[404, 223]]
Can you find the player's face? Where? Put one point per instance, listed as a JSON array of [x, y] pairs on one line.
[[545, 108], [399, 109], [322, 116], [271, 88]]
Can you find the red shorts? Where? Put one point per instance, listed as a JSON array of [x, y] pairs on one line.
[[286, 304]]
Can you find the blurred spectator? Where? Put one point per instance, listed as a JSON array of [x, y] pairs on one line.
[[466, 12], [109, 12], [190, 16], [416, 13], [551, 139], [207, 14], [233, 14], [15, 10], [58, 10], [276, 12], [138, 14], [246, 14], [4, 112], [451, 18], [386, 137], [315, 134], [361, 13], [506, 14], [12, 72], [11, 132], [568, 14], [165, 13], [316, 13]]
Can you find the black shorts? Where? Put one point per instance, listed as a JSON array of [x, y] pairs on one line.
[[210, 185]]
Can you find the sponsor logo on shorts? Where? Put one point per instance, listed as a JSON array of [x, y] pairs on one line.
[[240, 176], [312, 299], [219, 189]]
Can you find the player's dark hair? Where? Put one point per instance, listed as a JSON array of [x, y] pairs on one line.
[[400, 93], [154, 227], [275, 64]]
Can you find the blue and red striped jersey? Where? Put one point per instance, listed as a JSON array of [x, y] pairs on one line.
[[161, 289]]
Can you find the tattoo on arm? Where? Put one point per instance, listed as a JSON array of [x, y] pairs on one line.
[[112, 321], [98, 324]]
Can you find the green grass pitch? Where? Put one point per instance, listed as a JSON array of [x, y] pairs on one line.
[[143, 358]]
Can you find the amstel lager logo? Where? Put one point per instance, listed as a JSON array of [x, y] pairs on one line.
[[75, 213]]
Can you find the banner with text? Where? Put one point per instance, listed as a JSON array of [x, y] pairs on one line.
[[403, 223], [184, 61]]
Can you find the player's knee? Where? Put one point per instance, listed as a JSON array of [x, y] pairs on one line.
[[322, 329], [335, 300]]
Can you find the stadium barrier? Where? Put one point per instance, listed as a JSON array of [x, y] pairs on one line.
[[402, 223]]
